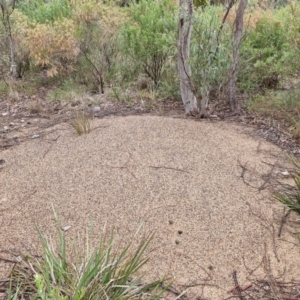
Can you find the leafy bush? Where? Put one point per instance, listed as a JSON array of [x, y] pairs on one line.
[[211, 50], [46, 45], [53, 45], [45, 12], [268, 54], [97, 28], [100, 274], [149, 38]]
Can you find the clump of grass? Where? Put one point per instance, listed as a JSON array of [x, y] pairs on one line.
[[148, 98], [291, 196], [4, 88], [99, 274], [69, 91], [124, 98], [81, 123], [116, 93]]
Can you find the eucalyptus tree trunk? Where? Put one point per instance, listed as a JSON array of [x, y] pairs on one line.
[[184, 40], [238, 34]]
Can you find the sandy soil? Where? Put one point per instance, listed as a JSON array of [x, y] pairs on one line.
[[176, 175]]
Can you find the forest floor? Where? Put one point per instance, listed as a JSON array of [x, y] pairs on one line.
[[202, 185]]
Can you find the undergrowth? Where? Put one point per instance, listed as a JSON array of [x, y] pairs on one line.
[[283, 106]]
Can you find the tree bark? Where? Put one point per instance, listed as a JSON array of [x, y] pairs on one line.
[[184, 40], [238, 34]]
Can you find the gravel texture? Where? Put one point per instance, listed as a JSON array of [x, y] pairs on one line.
[[182, 178]]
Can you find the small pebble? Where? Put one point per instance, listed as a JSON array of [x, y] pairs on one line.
[[11, 124], [35, 136], [96, 109], [285, 173], [5, 128], [65, 228]]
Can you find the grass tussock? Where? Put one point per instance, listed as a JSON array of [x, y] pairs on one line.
[[108, 272], [81, 123], [290, 198]]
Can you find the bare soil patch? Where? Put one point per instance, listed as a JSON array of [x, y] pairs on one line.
[[181, 178]]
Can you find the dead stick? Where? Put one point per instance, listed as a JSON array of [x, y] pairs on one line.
[[283, 220], [237, 285], [168, 168], [243, 289], [7, 260], [232, 297]]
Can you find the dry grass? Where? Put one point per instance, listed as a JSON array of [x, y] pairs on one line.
[[81, 123], [283, 106]]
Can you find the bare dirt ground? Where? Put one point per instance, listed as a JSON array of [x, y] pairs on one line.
[[202, 186]]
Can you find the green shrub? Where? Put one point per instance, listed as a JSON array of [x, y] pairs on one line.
[[267, 53], [69, 91], [108, 272], [170, 85], [211, 51], [149, 38], [97, 29], [44, 12]]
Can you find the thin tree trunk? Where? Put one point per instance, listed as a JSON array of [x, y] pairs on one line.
[[238, 34], [7, 8], [184, 40], [13, 65]]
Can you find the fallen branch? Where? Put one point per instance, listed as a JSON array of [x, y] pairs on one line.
[[237, 286], [169, 168], [243, 289], [283, 220]]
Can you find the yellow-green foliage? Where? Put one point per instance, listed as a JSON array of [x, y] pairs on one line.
[[56, 44], [293, 24], [109, 16], [97, 28], [48, 44]]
